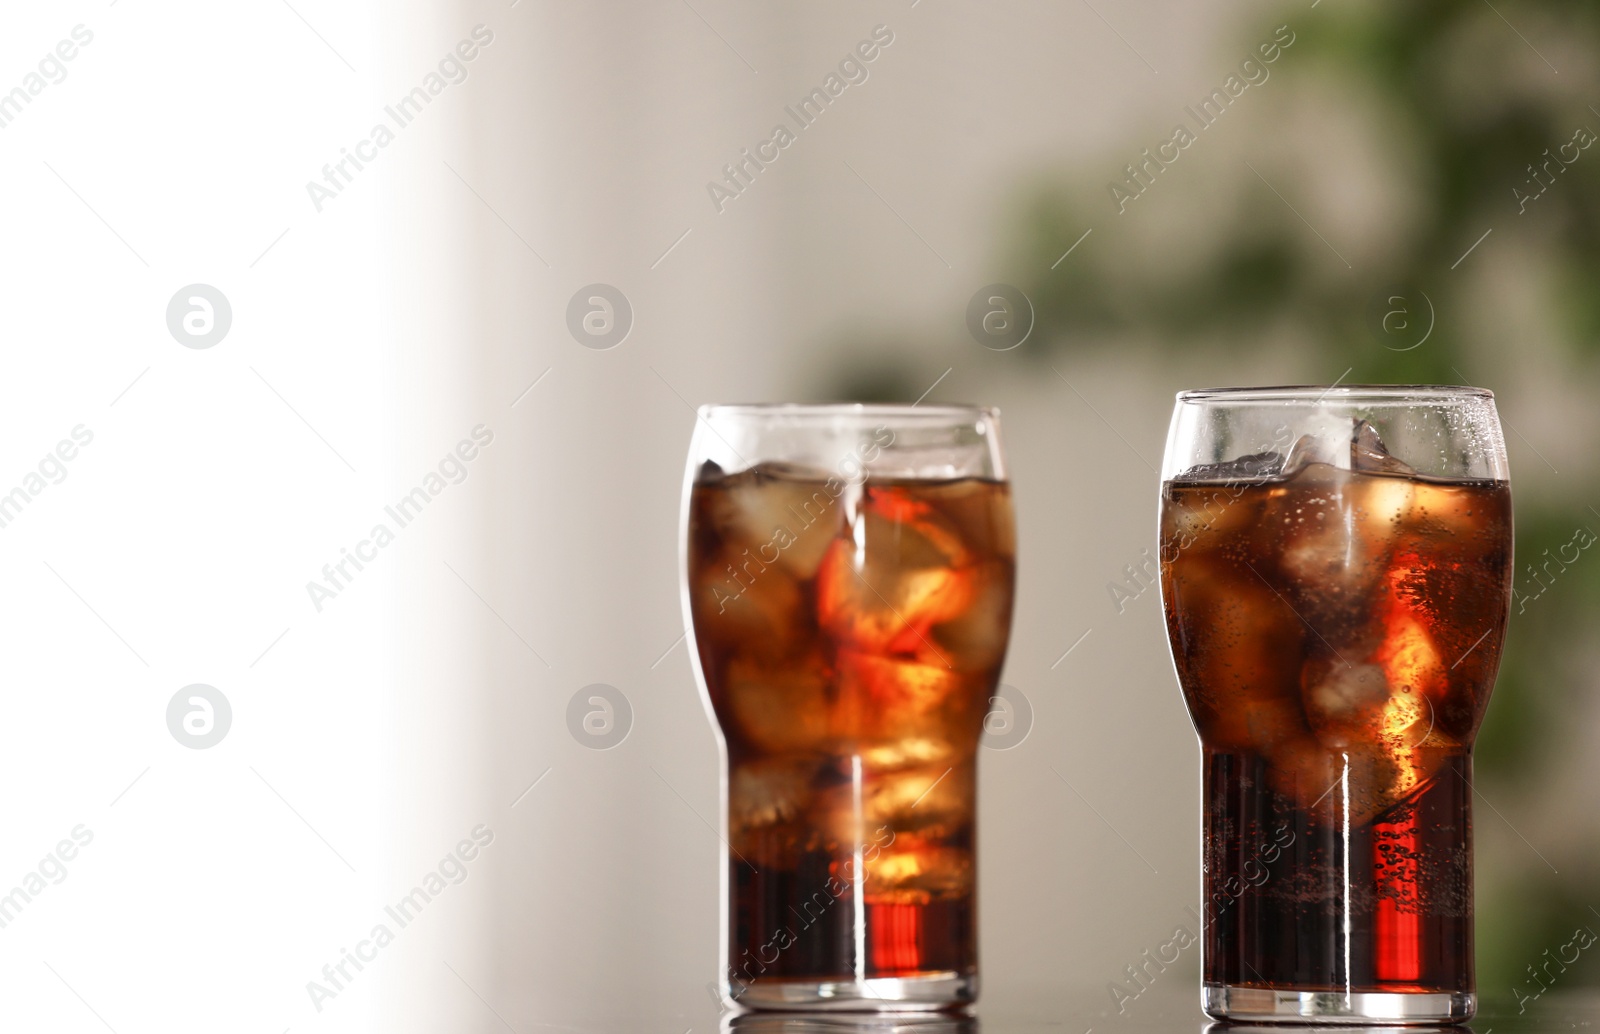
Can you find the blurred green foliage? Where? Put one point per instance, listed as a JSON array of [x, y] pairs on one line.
[[1464, 156]]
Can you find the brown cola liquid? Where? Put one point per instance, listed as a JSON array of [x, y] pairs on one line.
[[1336, 634], [850, 636]]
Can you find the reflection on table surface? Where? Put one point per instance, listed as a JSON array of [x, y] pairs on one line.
[[845, 1023], [1172, 1013]]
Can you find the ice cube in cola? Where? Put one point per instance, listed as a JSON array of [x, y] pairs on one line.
[[1336, 621], [850, 635]]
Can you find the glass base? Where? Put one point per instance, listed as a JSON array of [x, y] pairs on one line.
[[1287, 1005], [877, 994]]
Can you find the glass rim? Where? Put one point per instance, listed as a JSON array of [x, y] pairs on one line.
[[1317, 393], [816, 410]]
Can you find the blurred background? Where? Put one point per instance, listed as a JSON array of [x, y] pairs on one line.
[[270, 270]]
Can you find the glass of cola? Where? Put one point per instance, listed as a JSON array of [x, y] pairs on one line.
[[1336, 578], [848, 587]]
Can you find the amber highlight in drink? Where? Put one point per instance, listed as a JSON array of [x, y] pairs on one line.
[[1336, 625], [850, 635]]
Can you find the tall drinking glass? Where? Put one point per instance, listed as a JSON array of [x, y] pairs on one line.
[[848, 586], [1336, 576]]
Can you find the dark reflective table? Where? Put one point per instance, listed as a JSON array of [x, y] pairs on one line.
[[1171, 1009]]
